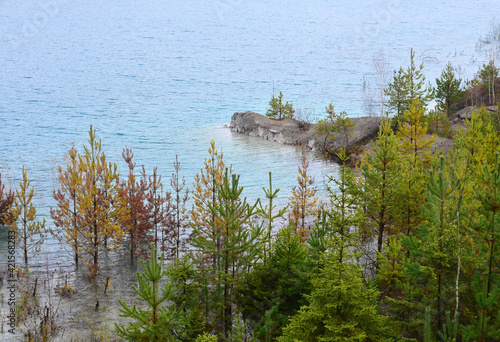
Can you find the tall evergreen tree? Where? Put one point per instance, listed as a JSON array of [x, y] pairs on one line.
[[376, 184], [274, 289], [344, 216], [415, 152], [448, 89], [327, 128], [434, 247], [235, 246], [266, 212], [397, 93], [487, 235], [334, 126], [406, 86], [205, 190]]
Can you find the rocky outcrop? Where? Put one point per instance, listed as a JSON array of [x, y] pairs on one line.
[[466, 112], [294, 132], [286, 131]]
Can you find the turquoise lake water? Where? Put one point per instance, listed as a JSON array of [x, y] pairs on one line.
[[164, 77]]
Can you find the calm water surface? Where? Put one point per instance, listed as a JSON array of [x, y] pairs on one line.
[[163, 77]]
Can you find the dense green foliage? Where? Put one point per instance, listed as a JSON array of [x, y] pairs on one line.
[[406, 86], [279, 110], [448, 89]]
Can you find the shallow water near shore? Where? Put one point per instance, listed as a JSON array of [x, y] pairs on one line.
[[164, 77]]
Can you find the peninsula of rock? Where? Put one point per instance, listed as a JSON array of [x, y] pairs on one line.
[[295, 132]]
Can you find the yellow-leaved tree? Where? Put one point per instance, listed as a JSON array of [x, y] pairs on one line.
[[99, 202], [66, 217], [29, 233]]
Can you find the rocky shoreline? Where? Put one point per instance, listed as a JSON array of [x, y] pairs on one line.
[[295, 132]]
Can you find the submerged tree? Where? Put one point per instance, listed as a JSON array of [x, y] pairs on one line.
[[29, 233], [99, 202], [178, 217], [159, 205], [137, 220], [6, 200], [66, 215]]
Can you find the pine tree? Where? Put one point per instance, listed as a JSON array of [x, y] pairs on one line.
[[98, 201], [435, 245], [415, 152], [448, 89], [205, 226], [478, 143], [179, 212], [205, 192], [29, 233], [326, 128], [376, 184], [438, 123], [391, 273], [279, 110], [238, 245], [344, 216], [406, 86], [487, 235], [333, 126], [159, 321], [397, 93], [303, 201], [187, 279], [266, 212], [412, 133], [66, 215], [274, 289], [341, 307]]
